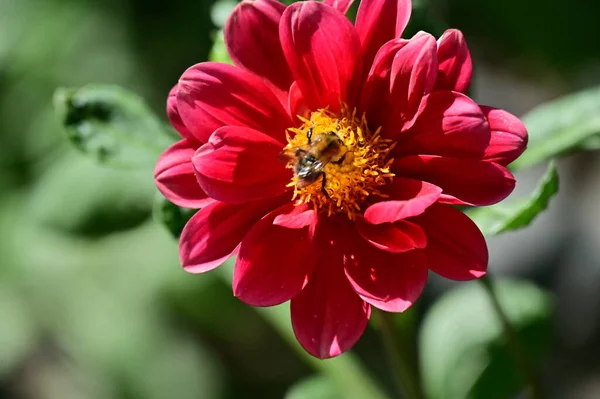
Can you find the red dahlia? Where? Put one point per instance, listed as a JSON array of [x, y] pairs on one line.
[[379, 141]]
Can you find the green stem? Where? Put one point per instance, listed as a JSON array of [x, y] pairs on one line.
[[405, 375], [522, 360]]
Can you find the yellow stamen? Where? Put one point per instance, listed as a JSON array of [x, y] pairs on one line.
[[352, 183]]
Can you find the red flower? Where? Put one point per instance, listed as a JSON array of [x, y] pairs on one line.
[[399, 142]]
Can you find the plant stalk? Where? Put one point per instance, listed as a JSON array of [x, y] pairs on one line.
[[520, 356], [405, 376]]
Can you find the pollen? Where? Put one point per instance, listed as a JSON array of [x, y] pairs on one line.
[[351, 177]]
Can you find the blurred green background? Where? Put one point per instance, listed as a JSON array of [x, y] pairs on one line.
[[93, 302]]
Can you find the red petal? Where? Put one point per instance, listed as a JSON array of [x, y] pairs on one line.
[[397, 237], [456, 248], [454, 60], [413, 75], [463, 181], [175, 178], [240, 164], [212, 235], [173, 115], [296, 104], [328, 317], [252, 39], [390, 282], [449, 124], [212, 95], [323, 51], [376, 90], [509, 136], [340, 5], [408, 197], [298, 217], [274, 262], [379, 21]]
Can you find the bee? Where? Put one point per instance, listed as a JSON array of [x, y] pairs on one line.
[[312, 158]]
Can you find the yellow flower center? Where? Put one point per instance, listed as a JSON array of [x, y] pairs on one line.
[[339, 164]]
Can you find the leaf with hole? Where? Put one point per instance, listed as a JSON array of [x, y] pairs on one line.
[[112, 125]]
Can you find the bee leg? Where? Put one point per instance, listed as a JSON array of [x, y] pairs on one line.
[[309, 133], [339, 161], [299, 151], [323, 182]]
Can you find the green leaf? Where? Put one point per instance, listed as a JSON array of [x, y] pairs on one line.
[[559, 126], [101, 200], [112, 125], [513, 215], [462, 346], [590, 144], [18, 335], [171, 216], [314, 387]]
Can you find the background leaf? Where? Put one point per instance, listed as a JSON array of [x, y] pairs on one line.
[[561, 125], [516, 214], [112, 125], [590, 144], [171, 216], [462, 347], [314, 387], [76, 196], [218, 52], [18, 331]]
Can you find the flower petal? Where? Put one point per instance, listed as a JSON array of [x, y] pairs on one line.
[[213, 234], [274, 262], [296, 104], [409, 197], [239, 164], [463, 181], [341, 5], [509, 136], [397, 237], [212, 95], [252, 39], [298, 217], [390, 282], [379, 21], [328, 317], [173, 115], [175, 178], [449, 124], [454, 60], [376, 90], [413, 76], [323, 51], [456, 248]]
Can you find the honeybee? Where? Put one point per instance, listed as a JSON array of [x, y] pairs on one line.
[[312, 158]]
